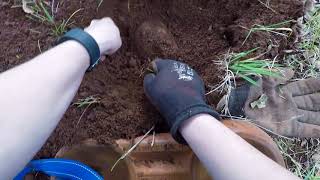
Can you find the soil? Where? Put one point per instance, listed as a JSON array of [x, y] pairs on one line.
[[202, 30]]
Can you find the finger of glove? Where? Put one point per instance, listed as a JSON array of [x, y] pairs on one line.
[[148, 82], [305, 130], [309, 102], [285, 75], [309, 117], [304, 87], [161, 64]]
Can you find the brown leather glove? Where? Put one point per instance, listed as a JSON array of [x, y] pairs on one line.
[[289, 109]]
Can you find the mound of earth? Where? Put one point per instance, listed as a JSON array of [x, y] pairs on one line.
[[200, 31]]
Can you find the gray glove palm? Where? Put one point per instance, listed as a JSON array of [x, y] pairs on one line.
[[290, 109]]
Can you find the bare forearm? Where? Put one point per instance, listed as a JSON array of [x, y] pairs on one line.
[[226, 155], [34, 97]]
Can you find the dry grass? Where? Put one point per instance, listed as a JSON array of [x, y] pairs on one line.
[[86, 102], [244, 66], [306, 58], [278, 28], [302, 156]]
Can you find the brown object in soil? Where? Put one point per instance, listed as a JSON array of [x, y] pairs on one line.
[[166, 159], [153, 39], [204, 30]]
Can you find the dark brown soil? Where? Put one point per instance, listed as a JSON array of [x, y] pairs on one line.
[[203, 31]]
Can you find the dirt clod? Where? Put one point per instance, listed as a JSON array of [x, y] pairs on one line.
[[152, 38]]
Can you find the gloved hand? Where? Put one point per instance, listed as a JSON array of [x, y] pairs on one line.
[[106, 34], [291, 109], [177, 92]]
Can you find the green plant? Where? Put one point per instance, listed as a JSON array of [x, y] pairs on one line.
[[277, 28], [306, 61], [88, 101], [40, 12], [312, 173], [241, 65], [245, 67], [61, 28], [299, 155]]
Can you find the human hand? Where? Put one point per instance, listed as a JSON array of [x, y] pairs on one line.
[[289, 109], [177, 91], [106, 34]]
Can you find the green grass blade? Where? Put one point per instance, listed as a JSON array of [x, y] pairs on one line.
[[47, 14], [243, 54], [277, 25], [253, 82], [73, 14]]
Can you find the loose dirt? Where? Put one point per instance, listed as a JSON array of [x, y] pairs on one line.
[[203, 30]]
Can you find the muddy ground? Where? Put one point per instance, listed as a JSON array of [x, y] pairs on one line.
[[203, 30]]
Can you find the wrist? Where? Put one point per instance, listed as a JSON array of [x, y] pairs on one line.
[[87, 41], [98, 40], [81, 50], [188, 113], [190, 122]]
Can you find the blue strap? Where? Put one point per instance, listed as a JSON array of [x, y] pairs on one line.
[[62, 169], [87, 41]]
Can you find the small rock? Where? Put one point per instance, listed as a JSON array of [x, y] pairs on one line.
[[132, 62]]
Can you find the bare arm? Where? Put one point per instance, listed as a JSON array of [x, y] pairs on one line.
[[35, 95], [226, 155]]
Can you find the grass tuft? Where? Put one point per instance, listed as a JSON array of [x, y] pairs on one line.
[[278, 28], [306, 60], [242, 65], [60, 28], [43, 12], [88, 101], [302, 156]]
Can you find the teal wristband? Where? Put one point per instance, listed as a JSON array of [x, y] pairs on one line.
[[87, 41]]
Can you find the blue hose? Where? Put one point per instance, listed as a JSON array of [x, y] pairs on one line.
[[62, 169]]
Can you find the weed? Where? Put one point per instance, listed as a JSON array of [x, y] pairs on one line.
[[39, 11], [44, 12], [240, 65], [245, 67], [134, 147], [306, 61], [88, 101], [277, 28], [61, 28], [301, 156]]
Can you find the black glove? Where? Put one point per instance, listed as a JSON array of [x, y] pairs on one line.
[[177, 92]]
